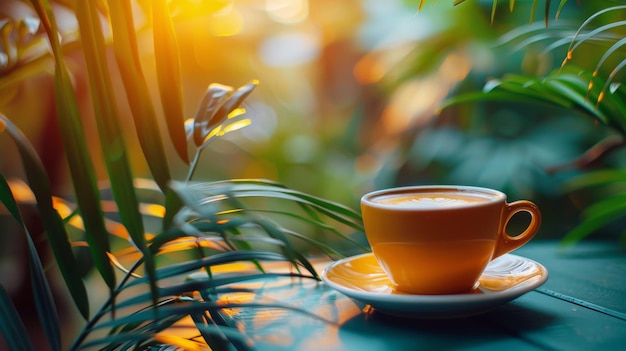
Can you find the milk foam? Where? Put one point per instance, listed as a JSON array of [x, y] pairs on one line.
[[430, 202]]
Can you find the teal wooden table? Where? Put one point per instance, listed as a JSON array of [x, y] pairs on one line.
[[582, 306]]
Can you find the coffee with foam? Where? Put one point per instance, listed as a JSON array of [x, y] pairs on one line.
[[439, 239], [433, 200]]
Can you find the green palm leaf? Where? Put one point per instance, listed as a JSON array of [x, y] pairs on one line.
[[175, 310], [168, 75], [576, 42], [223, 258], [494, 6], [594, 34], [559, 8], [75, 146], [597, 178], [141, 338], [46, 308], [184, 309], [55, 229], [138, 96], [597, 216], [563, 89], [270, 189], [512, 7], [202, 285], [111, 138], [11, 325], [223, 202], [109, 127]]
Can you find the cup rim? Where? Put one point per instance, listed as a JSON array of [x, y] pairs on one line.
[[366, 199]]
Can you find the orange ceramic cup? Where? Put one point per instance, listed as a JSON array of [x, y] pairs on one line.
[[439, 239]]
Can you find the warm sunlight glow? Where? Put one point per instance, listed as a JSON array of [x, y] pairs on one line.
[[217, 131], [455, 68], [62, 207], [77, 222], [236, 112], [416, 102], [373, 66], [117, 229], [120, 266], [188, 243], [287, 11], [226, 23], [235, 298], [153, 210], [128, 254], [369, 70], [181, 342], [223, 129], [236, 125], [190, 8], [21, 191], [410, 104]]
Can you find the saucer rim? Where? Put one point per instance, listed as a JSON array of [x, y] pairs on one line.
[[372, 298]]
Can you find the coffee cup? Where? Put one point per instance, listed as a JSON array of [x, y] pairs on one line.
[[439, 239]]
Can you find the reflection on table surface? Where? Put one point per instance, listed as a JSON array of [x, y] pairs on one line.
[[582, 306]]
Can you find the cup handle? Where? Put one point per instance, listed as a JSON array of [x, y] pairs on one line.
[[507, 243]]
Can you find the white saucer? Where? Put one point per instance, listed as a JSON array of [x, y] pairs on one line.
[[505, 278]]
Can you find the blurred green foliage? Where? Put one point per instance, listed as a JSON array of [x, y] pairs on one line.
[[537, 124]]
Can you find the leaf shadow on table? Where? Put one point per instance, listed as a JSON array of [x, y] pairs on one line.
[[503, 326]]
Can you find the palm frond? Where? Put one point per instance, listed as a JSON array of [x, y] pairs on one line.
[[606, 209], [11, 325], [601, 33], [588, 21], [207, 199], [563, 88], [149, 320], [44, 302], [114, 150], [56, 233], [75, 146], [559, 8], [138, 96], [108, 120], [168, 75], [534, 7]]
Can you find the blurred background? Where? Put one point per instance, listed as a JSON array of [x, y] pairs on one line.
[[349, 96]]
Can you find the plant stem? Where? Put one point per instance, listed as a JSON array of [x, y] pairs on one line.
[[101, 311], [193, 165]]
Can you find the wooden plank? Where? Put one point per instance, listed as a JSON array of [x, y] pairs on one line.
[[555, 324], [591, 271]]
